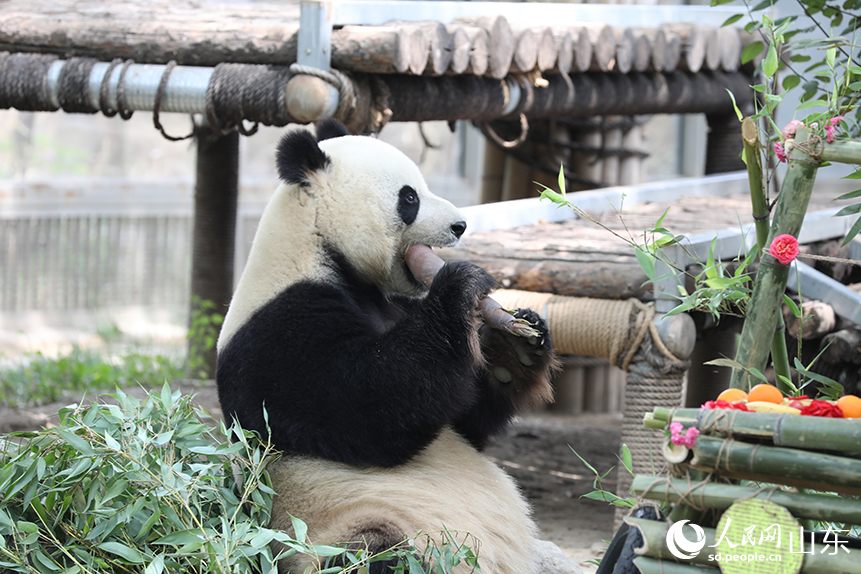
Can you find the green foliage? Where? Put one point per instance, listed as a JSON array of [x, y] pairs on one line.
[[717, 290], [150, 487], [600, 493], [39, 379], [135, 487], [202, 336]]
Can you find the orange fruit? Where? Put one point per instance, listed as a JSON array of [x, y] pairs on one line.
[[851, 406], [732, 395], [766, 393]]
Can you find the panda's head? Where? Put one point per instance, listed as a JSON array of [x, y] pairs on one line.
[[371, 202]]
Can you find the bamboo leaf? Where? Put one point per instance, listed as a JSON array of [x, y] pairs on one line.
[[732, 19], [790, 82], [849, 210], [769, 65], [792, 306], [724, 362], [647, 262], [561, 180], [735, 106], [812, 103], [123, 551], [853, 231]]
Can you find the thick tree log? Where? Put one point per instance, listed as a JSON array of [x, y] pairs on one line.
[[380, 49], [438, 44], [603, 46], [674, 50], [564, 50], [479, 50], [500, 42], [713, 49], [624, 50], [730, 44], [657, 39], [460, 46], [586, 278], [818, 320], [535, 48], [153, 33], [842, 346], [582, 49], [693, 42], [548, 51], [642, 57]]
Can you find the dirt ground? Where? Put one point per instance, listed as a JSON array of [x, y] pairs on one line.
[[537, 452]]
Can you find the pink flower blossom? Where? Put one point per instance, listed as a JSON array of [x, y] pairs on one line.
[[790, 129], [829, 129], [784, 248], [779, 152], [689, 437]]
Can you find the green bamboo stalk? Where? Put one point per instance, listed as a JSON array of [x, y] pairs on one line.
[[818, 558], [652, 566], [821, 507], [841, 152], [764, 307], [778, 465], [759, 208], [786, 430]]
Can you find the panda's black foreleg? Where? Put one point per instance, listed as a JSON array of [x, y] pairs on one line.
[[516, 377]]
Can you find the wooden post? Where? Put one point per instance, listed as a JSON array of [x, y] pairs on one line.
[[500, 42], [491, 179], [216, 194], [603, 46]]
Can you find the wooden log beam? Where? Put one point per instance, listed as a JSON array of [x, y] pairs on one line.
[[437, 44], [564, 41], [624, 50], [500, 42], [380, 49], [842, 346], [153, 32], [817, 319], [603, 46], [592, 275], [693, 38], [582, 49]]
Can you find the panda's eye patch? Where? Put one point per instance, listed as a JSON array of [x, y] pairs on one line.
[[408, 204]]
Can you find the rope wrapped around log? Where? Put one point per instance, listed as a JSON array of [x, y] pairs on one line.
[[606, 328]]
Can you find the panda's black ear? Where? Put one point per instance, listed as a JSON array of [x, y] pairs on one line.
[[330, 128], [297, 156]]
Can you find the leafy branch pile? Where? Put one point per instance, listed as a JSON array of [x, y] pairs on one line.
[[135, 487], [150, 487]]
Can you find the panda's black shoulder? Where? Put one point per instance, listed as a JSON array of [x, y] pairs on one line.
[[330, 128], [297, 156]]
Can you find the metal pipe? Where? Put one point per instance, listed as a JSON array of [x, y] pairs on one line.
[[185, 91]]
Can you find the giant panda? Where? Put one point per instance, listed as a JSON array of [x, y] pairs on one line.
[[380, 392]]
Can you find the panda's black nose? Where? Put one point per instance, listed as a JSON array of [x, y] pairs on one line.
[[458, 228]]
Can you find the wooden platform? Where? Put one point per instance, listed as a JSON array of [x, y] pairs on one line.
[[579, 258]]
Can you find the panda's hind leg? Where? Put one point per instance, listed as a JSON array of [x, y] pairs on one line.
[[376, 536]]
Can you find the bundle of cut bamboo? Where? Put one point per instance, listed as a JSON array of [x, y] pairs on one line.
[[810, 466]]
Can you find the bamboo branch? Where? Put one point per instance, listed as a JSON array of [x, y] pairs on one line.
[[425, 264], [765, 304], [759, 205], [778, 465], [822, 507], [782, 429]]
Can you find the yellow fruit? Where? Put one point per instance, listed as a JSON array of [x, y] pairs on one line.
[[850, 405], [732, 396], [767, 407], [766, 393]]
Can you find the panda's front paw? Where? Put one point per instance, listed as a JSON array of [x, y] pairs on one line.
[[539, 345], [459, 286]]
